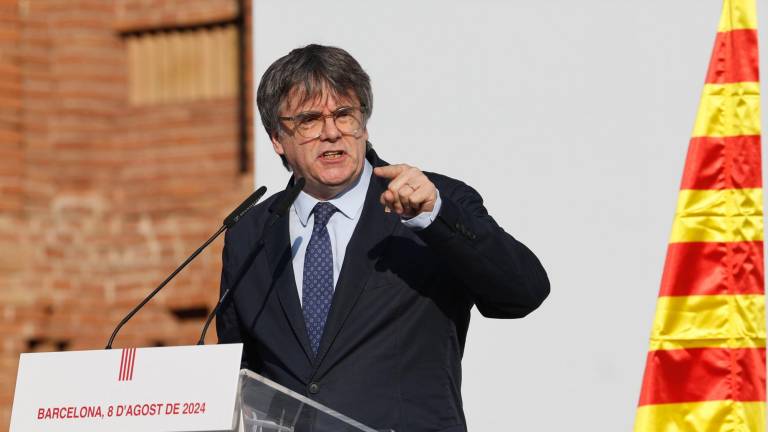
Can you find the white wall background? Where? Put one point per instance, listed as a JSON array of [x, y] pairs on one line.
[[572, 118]]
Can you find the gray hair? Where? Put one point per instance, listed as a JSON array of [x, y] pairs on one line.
[[311, 70]]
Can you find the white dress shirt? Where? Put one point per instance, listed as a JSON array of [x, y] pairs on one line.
[[340, 226]]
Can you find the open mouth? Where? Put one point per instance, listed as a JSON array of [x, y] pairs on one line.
[[331, 154]]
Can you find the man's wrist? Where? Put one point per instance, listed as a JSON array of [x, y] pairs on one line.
[[425, 219]]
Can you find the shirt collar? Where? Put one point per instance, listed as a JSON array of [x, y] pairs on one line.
[[348, 202]]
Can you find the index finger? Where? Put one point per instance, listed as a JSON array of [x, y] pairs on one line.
[[390, 171]]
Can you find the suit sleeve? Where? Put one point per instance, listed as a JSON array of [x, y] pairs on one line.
[[503, 277]]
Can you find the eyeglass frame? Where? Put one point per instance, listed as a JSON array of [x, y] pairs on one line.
[[361, 108]]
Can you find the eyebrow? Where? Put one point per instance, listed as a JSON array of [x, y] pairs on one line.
[[320, 112]]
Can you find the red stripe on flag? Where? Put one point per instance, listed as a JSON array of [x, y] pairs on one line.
[[122, 366], [704, 374], [734, 58], [723, 163], [131, 362], [703, 269], [127, 363]]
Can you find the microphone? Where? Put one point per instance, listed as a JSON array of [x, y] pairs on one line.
[[244, 207], [229, 221], [278, 209]]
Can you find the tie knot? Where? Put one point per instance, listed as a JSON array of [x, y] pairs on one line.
[[323, 212]]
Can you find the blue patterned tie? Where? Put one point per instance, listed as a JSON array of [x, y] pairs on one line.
[[317, 288]]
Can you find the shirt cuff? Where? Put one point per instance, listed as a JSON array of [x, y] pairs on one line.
[[423, 220]]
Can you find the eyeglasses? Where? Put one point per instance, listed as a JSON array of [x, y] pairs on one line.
[[310, 124]]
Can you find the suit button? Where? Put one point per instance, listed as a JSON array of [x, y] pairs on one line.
[[314, 388]]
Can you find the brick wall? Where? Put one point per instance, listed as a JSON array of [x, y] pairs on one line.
[[11, 163], [101, 199]]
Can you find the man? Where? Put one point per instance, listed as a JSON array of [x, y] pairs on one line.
[[361, 295]]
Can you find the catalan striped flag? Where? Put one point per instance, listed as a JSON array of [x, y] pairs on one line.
[[705, 369]]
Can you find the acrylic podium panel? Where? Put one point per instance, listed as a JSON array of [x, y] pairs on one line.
[[269, 407]]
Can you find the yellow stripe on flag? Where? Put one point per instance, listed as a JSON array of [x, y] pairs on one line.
[[738, 14], [728, 110], [706, 321], [710, 416], [726, 215]]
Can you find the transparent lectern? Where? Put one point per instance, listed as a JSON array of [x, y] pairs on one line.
[[266, 406]]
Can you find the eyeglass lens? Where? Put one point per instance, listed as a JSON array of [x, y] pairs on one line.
[[310, 125]]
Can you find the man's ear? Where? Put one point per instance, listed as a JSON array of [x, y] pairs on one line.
[[277, 145]]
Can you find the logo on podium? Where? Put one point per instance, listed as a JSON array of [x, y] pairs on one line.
[[127, 361]]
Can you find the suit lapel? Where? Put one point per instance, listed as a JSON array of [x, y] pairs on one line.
[[278, 249], [372, 229]]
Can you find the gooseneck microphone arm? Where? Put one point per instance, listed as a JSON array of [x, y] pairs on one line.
[[280, 209], [165, 282], [228, 222]]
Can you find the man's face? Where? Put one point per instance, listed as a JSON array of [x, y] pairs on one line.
[[332, 161]]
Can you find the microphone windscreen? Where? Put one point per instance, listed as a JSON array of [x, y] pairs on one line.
[[244, 207], [290, 196]]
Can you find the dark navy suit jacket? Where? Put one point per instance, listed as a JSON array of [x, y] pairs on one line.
[[390, 356]]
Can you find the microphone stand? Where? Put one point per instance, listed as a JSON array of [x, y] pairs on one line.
[[228, 222]]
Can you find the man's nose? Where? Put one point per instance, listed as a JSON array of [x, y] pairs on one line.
[[330, 132]]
